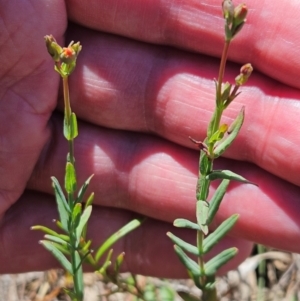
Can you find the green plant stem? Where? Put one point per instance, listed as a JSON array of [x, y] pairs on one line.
[[203, 183], [222, 68], [72, 229], [209, 295]]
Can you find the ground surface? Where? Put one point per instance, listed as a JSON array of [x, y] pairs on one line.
[[279, 281]]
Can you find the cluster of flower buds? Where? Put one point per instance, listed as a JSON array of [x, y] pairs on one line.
[[229, 93], [235, 18], [64, 57]]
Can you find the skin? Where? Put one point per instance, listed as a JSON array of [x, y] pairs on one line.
[[142, 85]]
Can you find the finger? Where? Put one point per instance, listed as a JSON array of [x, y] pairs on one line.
[[199, 26], [156, 178], [127, 85], [147, 248], [27, 89]]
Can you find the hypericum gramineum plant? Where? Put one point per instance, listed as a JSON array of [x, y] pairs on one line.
[[71, 248], [219, 137]]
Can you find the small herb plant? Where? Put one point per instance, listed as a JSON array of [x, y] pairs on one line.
[[70, 246], [219, 137]]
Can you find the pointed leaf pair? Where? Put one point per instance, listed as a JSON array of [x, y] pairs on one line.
[[70, 178], [70, 127]]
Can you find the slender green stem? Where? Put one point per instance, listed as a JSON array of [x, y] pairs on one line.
[[222, 68], [203, 184], [72, 229]]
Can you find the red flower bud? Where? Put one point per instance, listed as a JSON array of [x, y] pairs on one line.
[[245, 73], [240, 13]]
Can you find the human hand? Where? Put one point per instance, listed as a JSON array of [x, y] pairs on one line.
[[139, 103]]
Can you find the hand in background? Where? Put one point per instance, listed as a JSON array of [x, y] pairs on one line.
[[142, 85]]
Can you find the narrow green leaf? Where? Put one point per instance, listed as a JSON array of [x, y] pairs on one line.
[[83, 220], [184, 223], [70, 178], [211, 124], [107, 263], [62, 259], [183, 245], [83, 190], [116, 236], [62, 205], [87, 204], [56, 239], [226, 89], [212, 266], [90, 200], [233, 131], [202, 208], [65, 250], [216, 200], [211, 240], [187, 296], [227, 174], [76, 214], [67, 132], [119, 262], [85, 246], [203, 163], [190, 265], [73, 126], [50, 232]]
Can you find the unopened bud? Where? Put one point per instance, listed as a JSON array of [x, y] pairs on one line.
[[76, 47], [228, 11], [245, 73], [53, 48], [240, 13]]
